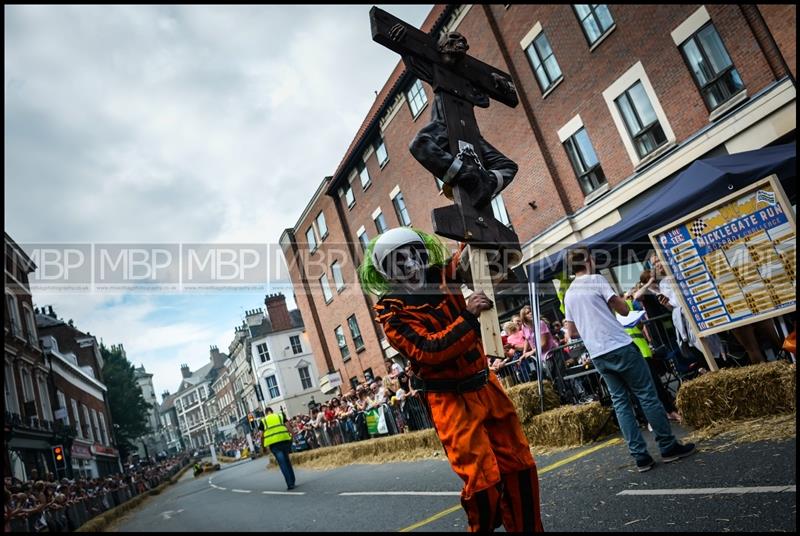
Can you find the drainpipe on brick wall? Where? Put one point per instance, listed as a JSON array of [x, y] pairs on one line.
[[351, 248], [526, 105], [314, 315], [760, 29]]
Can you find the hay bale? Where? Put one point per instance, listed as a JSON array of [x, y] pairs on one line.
[[569, 425], [526, 399], [741, 393]]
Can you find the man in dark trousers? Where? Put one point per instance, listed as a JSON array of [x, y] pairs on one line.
[[588, 306], [277, 437]]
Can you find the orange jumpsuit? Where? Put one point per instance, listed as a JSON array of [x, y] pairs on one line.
[[480, 430]]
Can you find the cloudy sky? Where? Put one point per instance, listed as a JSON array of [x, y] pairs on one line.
[[177, 124]]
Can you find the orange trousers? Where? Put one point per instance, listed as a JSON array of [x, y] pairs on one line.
[[484, 442]]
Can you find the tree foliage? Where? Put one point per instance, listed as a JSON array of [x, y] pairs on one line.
[[128, 406]]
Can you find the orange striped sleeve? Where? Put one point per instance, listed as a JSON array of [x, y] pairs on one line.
[[407, 333]]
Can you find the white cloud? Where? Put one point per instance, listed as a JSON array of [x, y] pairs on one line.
[[177, 124]]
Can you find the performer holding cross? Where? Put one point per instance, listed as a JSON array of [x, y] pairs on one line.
[[422, 309]]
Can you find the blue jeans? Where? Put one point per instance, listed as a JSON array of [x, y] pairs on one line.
[[281, 451], [626, 372]]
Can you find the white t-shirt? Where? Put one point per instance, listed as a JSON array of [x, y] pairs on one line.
[[586, 305]]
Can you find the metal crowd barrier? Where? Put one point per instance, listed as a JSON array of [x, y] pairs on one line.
[[412, 416]]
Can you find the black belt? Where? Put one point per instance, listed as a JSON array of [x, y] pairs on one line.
[[473, 383]]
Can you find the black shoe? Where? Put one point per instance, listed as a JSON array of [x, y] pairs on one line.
[[645, 464], [677, 452], [290, 487]]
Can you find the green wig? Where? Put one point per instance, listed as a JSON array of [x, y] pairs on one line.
[[371, 279]]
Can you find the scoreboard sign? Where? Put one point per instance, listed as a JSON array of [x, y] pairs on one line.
[[734, 261]]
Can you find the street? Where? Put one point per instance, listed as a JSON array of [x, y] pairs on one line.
[[742, 487]]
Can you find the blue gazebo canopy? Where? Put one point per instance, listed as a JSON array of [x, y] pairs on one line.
[[700, 184]]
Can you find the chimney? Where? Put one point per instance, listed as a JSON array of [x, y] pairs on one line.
[[164, 396], [277, 311], [51, 314], [185, 371], [217, 359], [255, 317]]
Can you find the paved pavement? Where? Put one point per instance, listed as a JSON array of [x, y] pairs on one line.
[[747, 487]]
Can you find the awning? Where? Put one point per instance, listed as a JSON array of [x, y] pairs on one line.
[[29, 444], [702, 183]]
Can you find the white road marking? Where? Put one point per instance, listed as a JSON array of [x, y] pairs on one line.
[[220, 487], [241, 490], [710, 491], [411, 493], [283, 492]]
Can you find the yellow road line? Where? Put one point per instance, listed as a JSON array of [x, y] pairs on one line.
[[542, 471]]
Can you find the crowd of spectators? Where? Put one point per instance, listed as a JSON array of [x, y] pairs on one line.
[[52, 505]]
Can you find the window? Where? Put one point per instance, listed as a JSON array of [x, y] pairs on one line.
[[364, 239], [62, 404], [349, 197], [322, 227], [311, 238], [712, 69], [355, 332], [340, 340], [263, 352], [400, 208], [297, 348], [76, 419], [380, 223], [305, 378], [363, 174], [87, 424], [337, 276], [416, 98], [499, 210], [178, 404], [544, 63], [272, 386], [640, 120], [13, 311], [96, 427], [354, 383], [30, 325], [27, 386], [103, 429], [12, 404], [368, 375], [44, 398], [584, 161], [380, 152], [595, 20], [326, 288], [202, 392]]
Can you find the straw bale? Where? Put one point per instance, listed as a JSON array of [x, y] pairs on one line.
[[739, 393], [569, 425], [526, 399]]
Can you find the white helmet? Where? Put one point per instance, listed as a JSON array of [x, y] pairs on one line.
[[390, 241]]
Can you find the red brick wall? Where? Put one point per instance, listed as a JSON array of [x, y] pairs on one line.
[[781, 20], [642, 34]]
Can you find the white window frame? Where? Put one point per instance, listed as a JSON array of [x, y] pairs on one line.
[[338, 281], [30, 325], [44, 399], [299, 344], [378, 213], [13, 308], [362, 170], [9, 381], [76, 418], [323, 225], [636, 74], [327, 293], [261, 355], [312, 239], [497, 204], [90, 435], [381, 143], [308, 374], [269, 389], [96, 427], [411, 102]]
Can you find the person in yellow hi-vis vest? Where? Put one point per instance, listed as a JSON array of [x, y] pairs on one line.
[[277, 437], [640, 340]]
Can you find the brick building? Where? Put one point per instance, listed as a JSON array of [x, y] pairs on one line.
[[28, 422], [79, 395], [615, 101]]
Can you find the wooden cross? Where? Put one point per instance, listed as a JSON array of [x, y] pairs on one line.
[[460, 82]]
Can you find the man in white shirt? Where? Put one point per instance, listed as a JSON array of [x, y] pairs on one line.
[[590, 304]]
